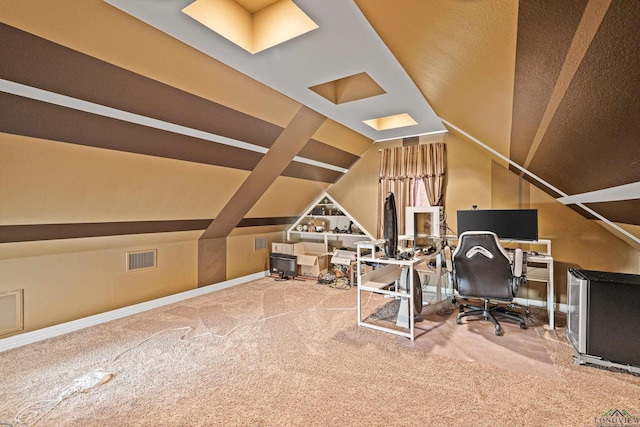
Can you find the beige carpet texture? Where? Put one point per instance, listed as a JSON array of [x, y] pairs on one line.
[[269, 353]]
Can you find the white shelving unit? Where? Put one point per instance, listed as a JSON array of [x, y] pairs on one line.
[[428, 224], [336, 222], [378, 280]]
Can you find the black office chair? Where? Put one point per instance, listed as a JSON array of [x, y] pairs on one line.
[[481, 268]]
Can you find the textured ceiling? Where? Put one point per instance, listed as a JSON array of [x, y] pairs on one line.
[[551, 86], [545, 84]]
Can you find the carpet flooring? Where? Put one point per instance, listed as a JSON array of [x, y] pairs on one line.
[[269, 353]]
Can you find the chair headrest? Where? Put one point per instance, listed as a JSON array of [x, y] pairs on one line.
[[478, 250], [489, 241]]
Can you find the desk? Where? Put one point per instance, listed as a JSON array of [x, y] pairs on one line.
[[540, 274], [537, 274], [437, 256], [378, 280]]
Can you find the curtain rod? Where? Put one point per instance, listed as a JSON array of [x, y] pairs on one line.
[[425, 143]]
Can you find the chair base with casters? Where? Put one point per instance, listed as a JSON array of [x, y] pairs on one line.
[[489, 313], [481, 268]]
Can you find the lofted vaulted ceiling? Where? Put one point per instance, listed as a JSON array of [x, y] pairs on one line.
[[550, 88], [548, 85]]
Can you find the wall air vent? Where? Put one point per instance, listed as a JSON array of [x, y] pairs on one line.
[[11, 312], [259, 243], [142, 260]]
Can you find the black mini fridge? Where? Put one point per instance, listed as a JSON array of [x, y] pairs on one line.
[[603, 317]]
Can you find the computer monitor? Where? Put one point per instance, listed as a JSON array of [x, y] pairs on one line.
[[284, 265], [390, 226], [423, 224], [508, 224]]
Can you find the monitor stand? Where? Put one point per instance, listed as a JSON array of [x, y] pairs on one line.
[[282, 277]]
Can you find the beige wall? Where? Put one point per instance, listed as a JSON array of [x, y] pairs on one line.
[[60, 287], [357, 190], [468, 178], [49, 182], [243, 259], [71, 279]]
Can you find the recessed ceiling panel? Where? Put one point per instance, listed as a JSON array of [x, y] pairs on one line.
[[344, 44], [391, 122], [350, 88], [252, 26]]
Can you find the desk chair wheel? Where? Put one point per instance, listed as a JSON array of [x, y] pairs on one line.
[[499, 331], [523, 326], [458, 321]]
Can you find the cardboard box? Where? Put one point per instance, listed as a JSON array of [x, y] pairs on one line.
[[317, 225], [311, 265], [312, 258], [312, 248], [282, 248]]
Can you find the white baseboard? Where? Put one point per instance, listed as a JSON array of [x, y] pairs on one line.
[[65, 328]]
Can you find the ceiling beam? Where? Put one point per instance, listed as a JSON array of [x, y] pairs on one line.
[[292, 139]]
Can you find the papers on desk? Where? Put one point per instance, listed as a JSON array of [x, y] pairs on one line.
[[342, 257]]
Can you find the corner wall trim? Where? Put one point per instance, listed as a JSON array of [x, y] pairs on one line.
[[65, 328], [541, 181]]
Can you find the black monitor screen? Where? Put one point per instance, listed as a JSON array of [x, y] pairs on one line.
[[390, 226], [508, 224], [284, 265]]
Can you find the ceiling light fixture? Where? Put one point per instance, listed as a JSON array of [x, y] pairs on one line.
[[254, 25], [391, 122]]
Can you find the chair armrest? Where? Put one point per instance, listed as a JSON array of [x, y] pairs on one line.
[[447, 258], [517, 263]]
